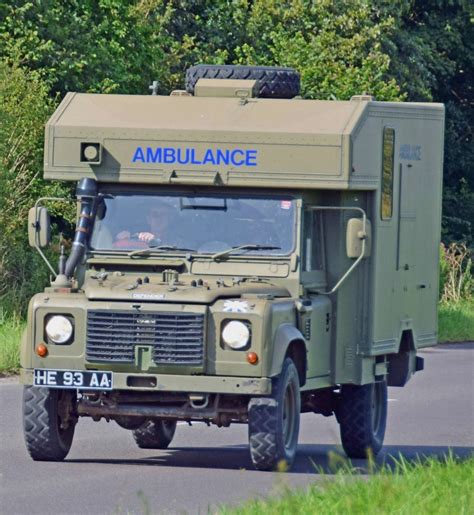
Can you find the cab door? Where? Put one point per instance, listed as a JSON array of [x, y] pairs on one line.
[[315, 321]]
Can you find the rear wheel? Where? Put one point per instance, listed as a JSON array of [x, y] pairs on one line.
[[362, 415], [274, 422], [155, 434], [49, 420]]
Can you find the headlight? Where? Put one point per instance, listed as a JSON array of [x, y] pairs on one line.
[[236, 334], [59, 329]]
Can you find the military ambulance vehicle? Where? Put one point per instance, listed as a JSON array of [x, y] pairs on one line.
[[241, 255]]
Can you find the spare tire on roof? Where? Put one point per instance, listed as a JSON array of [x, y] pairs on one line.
[[272, 81]]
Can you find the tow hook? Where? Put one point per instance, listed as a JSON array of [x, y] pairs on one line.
[[199, 401]]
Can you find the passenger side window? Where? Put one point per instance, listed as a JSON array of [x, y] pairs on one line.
[[313, 241], [388, 152]]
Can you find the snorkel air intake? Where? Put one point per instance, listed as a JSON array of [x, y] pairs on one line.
[[86, 193]]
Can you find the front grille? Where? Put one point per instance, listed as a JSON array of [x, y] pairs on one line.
[[175, 338]]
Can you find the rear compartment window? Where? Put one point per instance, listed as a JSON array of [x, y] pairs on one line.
[[388, 151]]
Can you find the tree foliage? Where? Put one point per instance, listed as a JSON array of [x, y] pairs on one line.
[[335, 46], [416, 50], [24, 108], [80, 45]]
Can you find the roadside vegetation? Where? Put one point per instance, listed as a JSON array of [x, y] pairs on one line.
[[10, 334], [456, 308], [441, 487], [456, 322]]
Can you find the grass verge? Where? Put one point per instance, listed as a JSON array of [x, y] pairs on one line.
[[10, 334], [429, 487], [456, 321]]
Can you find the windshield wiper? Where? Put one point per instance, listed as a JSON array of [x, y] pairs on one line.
[[248, 246], [159, 248]]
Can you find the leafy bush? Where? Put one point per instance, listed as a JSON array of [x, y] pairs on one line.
[[24, 108]]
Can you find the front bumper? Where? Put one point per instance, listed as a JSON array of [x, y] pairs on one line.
[[181, 383]]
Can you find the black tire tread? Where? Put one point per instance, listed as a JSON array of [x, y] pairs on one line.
[[152, 435], [265, 432], [355, 422], [39, 422], [262, 413], [273, 81]]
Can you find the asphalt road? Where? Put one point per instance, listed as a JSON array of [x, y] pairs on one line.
[[105, 473]]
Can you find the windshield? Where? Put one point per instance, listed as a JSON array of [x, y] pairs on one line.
[[198, 224]]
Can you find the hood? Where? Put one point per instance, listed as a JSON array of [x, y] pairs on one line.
[[202, 292]]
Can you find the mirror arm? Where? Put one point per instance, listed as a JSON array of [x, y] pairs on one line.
[[362, 235], [41, 253], [348, 272]]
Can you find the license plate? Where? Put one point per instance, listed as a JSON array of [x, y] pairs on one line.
[[76, 379]]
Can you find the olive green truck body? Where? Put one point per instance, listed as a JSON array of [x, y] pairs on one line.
[[349, 300]]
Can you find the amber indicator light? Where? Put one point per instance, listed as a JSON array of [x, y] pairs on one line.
[[42, 350], [252, 358]]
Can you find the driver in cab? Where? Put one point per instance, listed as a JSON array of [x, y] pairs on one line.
[[158, 220]]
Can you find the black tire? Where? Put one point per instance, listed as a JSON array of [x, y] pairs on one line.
[[155, 434], [273, 82], [49, 420], [362, 415], [274, 422], [130, 422]]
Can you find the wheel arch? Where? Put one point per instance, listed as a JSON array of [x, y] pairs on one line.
[[403, 364], [289, 342], [407, 341]]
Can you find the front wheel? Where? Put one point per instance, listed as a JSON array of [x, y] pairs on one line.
[[155, 434], [274, 422], [49, 420], [362, 415]]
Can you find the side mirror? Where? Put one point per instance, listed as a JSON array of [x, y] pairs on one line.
[[39, 227], [355, 237]]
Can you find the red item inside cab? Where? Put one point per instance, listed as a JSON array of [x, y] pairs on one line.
[[130, 244]]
